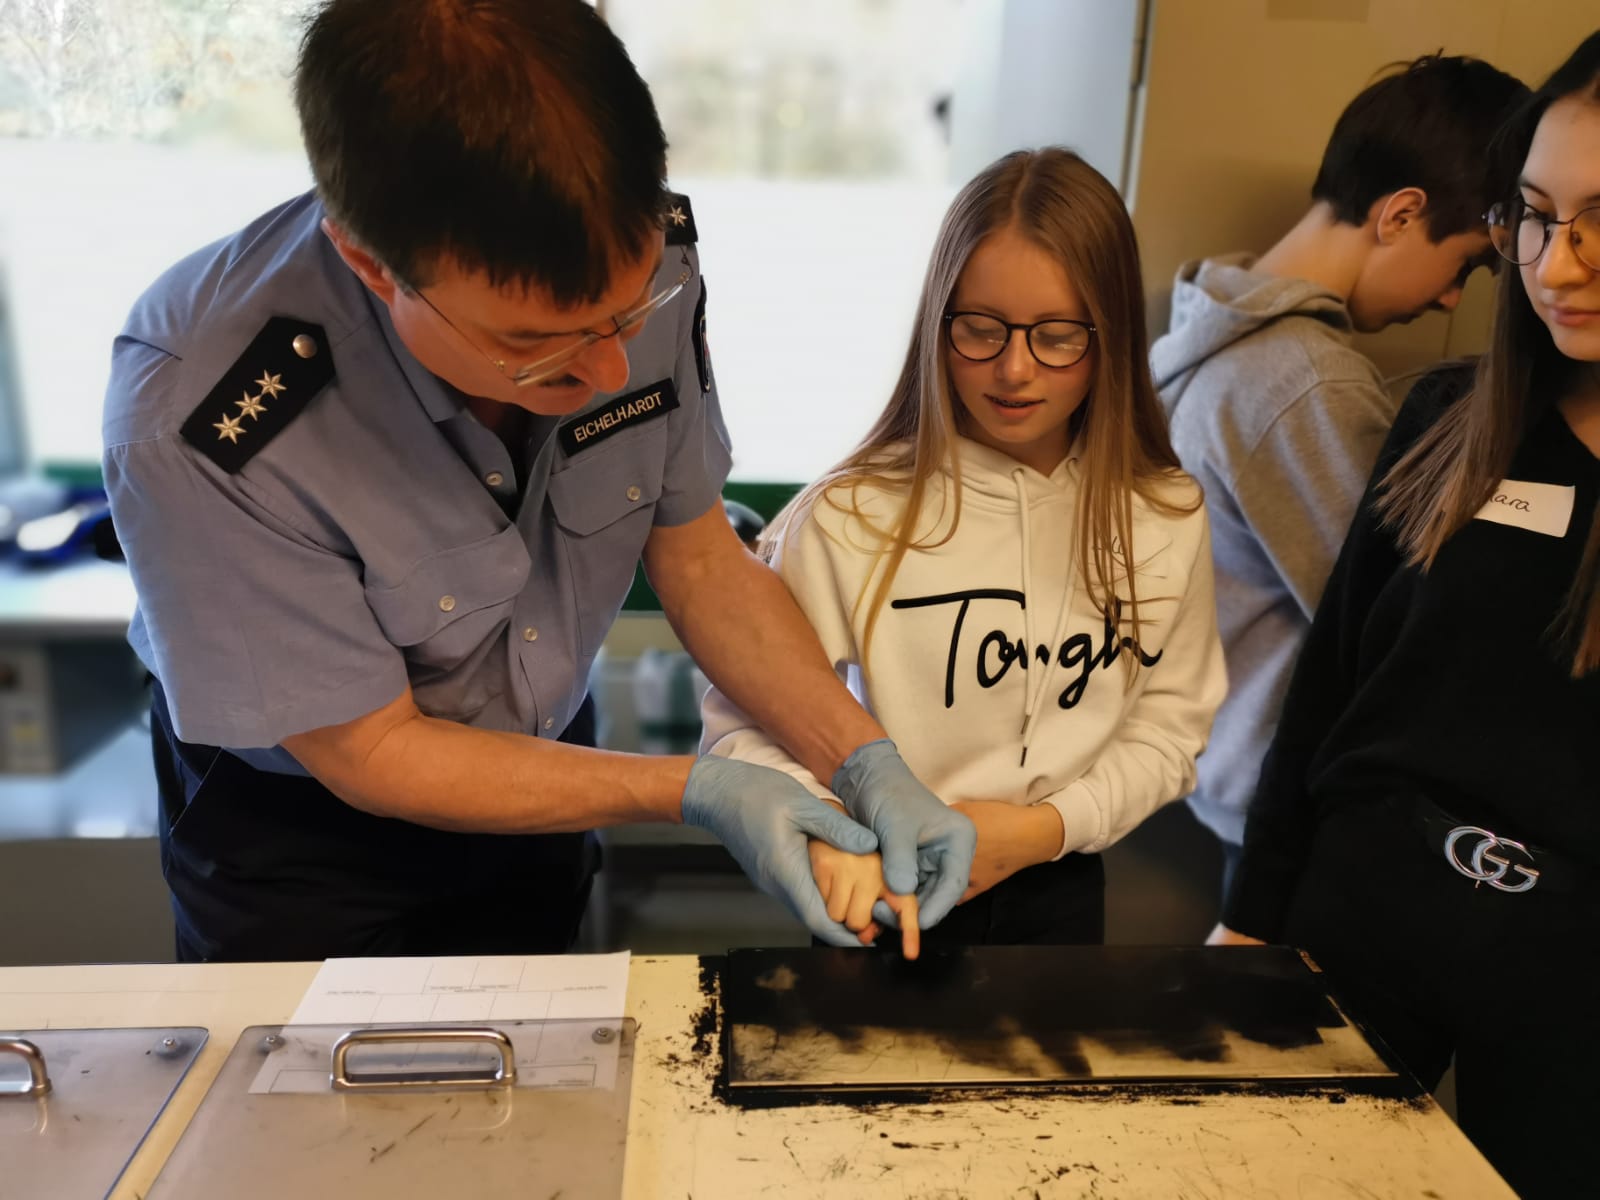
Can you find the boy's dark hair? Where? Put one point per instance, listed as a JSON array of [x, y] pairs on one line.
[[509, 136], [1427, 125]]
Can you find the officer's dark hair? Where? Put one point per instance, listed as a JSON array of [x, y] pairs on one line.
[[1426, 125], [513, 137]]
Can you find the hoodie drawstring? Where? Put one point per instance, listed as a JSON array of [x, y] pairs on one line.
[[1020, 481], [1033, 690]]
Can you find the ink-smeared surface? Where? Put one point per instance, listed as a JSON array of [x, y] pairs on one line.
[[1352, 1139], [820, 1018]]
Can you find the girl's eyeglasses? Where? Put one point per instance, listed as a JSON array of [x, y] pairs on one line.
[[979, 337], [1522, 234]]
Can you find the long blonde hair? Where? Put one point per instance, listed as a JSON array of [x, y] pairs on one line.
[[1438, 485], [1068, 209]]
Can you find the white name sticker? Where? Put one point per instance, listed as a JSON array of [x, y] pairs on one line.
[[1539, 507]]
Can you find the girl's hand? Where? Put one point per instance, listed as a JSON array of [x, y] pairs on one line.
[[850, 883], [1010, 837]]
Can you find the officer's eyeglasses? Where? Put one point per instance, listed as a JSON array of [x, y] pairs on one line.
[[1521, 234], [562, 349], [979, 337]]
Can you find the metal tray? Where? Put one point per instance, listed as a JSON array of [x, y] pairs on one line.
[[76, 1103], [521, 1108]]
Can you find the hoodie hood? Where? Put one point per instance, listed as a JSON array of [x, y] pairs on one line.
[[991, 475], [1218, 301]]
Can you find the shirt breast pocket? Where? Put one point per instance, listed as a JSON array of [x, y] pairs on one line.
[[604, 504], [448, 613]]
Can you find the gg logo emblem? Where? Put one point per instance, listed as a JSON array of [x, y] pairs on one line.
[[1473, 867]]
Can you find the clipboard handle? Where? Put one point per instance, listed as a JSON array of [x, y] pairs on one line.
[[38, 1082], [504, 1073]]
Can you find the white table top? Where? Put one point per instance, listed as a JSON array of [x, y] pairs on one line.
[[684, 1141], [82, 598]]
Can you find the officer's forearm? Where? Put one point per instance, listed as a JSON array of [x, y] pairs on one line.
[[752, 640], [448, 776]]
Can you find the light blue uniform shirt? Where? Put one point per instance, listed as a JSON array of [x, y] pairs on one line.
[[365, 546]]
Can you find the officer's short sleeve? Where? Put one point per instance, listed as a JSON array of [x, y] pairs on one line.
[[698, 456], [255, 631]]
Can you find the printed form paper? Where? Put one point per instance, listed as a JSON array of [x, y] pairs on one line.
[[548, 1005], [449, 991]]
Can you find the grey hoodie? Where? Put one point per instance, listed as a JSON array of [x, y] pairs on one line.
[[1280, 419]]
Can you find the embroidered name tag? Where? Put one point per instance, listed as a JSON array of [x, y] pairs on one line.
[[649, 402], [1540, 507]]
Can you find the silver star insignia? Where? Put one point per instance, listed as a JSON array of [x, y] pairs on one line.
[[230, 428], [677, 216], [270, 385], [251, 407]]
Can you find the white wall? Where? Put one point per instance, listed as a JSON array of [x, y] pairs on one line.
[[84, 229], [1039, 72], [812, 285]]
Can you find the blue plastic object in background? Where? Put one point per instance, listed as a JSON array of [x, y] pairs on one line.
[[81, 524]]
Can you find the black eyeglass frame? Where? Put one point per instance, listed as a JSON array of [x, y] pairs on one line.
[[1496, 218], [1027, 337]]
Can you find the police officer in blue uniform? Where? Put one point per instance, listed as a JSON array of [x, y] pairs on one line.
[[383, 464]]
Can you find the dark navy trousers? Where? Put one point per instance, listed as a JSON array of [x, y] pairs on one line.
[[270, 867]]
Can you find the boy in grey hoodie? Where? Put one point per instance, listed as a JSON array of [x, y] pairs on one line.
[[1277, 414]]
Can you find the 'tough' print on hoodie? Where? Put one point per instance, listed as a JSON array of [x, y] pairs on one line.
[[997, 650]]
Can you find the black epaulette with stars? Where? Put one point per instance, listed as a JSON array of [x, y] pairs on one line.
[[679, 221], [268, 386]]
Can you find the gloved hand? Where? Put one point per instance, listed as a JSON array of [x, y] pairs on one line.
[[764, 817], [927, 847]]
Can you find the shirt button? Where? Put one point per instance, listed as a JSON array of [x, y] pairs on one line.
[[494, 479], [530, 634], [549, 721], [447, 603], [633, 493]]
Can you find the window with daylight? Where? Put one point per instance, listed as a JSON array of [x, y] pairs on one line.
[[819, 144], [131, 132]]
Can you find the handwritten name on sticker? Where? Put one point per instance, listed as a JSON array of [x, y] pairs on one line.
[[1537, 507]]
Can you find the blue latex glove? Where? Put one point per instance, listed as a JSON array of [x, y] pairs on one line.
[[926, 845], [764, 817]]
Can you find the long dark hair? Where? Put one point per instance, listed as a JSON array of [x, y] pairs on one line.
[[1442, 481]]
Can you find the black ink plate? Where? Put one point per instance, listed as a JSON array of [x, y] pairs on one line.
[[824, 1020]]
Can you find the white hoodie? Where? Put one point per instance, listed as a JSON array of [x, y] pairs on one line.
[[946, 680]]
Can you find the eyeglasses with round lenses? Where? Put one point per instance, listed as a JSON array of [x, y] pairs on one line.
[[565, 348], [978, 337], [1521, 234]]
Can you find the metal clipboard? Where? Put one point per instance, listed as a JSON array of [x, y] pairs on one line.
[[76, 1103], [518, 1108]]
